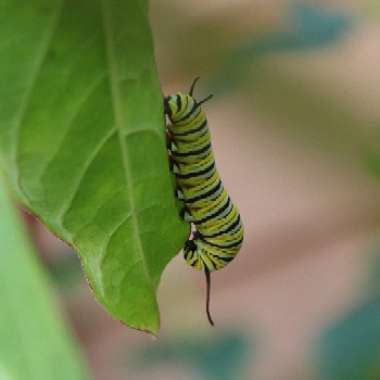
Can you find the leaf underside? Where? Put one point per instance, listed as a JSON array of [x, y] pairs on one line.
[[83, 144]]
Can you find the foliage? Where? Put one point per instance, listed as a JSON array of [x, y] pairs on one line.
[[34, 343], [82, 142]]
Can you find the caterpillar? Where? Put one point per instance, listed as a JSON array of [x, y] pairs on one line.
[[217, 227]]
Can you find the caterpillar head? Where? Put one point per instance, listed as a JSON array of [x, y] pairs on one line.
[[178, 105]]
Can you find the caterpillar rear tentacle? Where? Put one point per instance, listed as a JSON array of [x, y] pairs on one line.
[[219, 232], [208, 291]]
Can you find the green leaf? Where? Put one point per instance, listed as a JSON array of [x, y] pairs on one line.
[[34, 343], [83, 143]]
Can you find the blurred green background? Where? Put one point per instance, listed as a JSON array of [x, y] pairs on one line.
[[295, 121]]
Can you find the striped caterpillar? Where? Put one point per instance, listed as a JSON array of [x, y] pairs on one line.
[[218, 230]]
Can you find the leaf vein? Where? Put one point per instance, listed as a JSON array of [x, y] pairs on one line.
[[143, 130], [29, 93], [66, 206], [116, 229]]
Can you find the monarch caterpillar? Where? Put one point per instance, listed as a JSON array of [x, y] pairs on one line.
[[218, 230]]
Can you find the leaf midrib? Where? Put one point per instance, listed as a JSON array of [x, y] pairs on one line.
[[119, 122]]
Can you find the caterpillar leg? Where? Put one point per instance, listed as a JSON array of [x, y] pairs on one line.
[[179, 194], [185, 215], [170, 145], [173, 167], [165, 100]]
